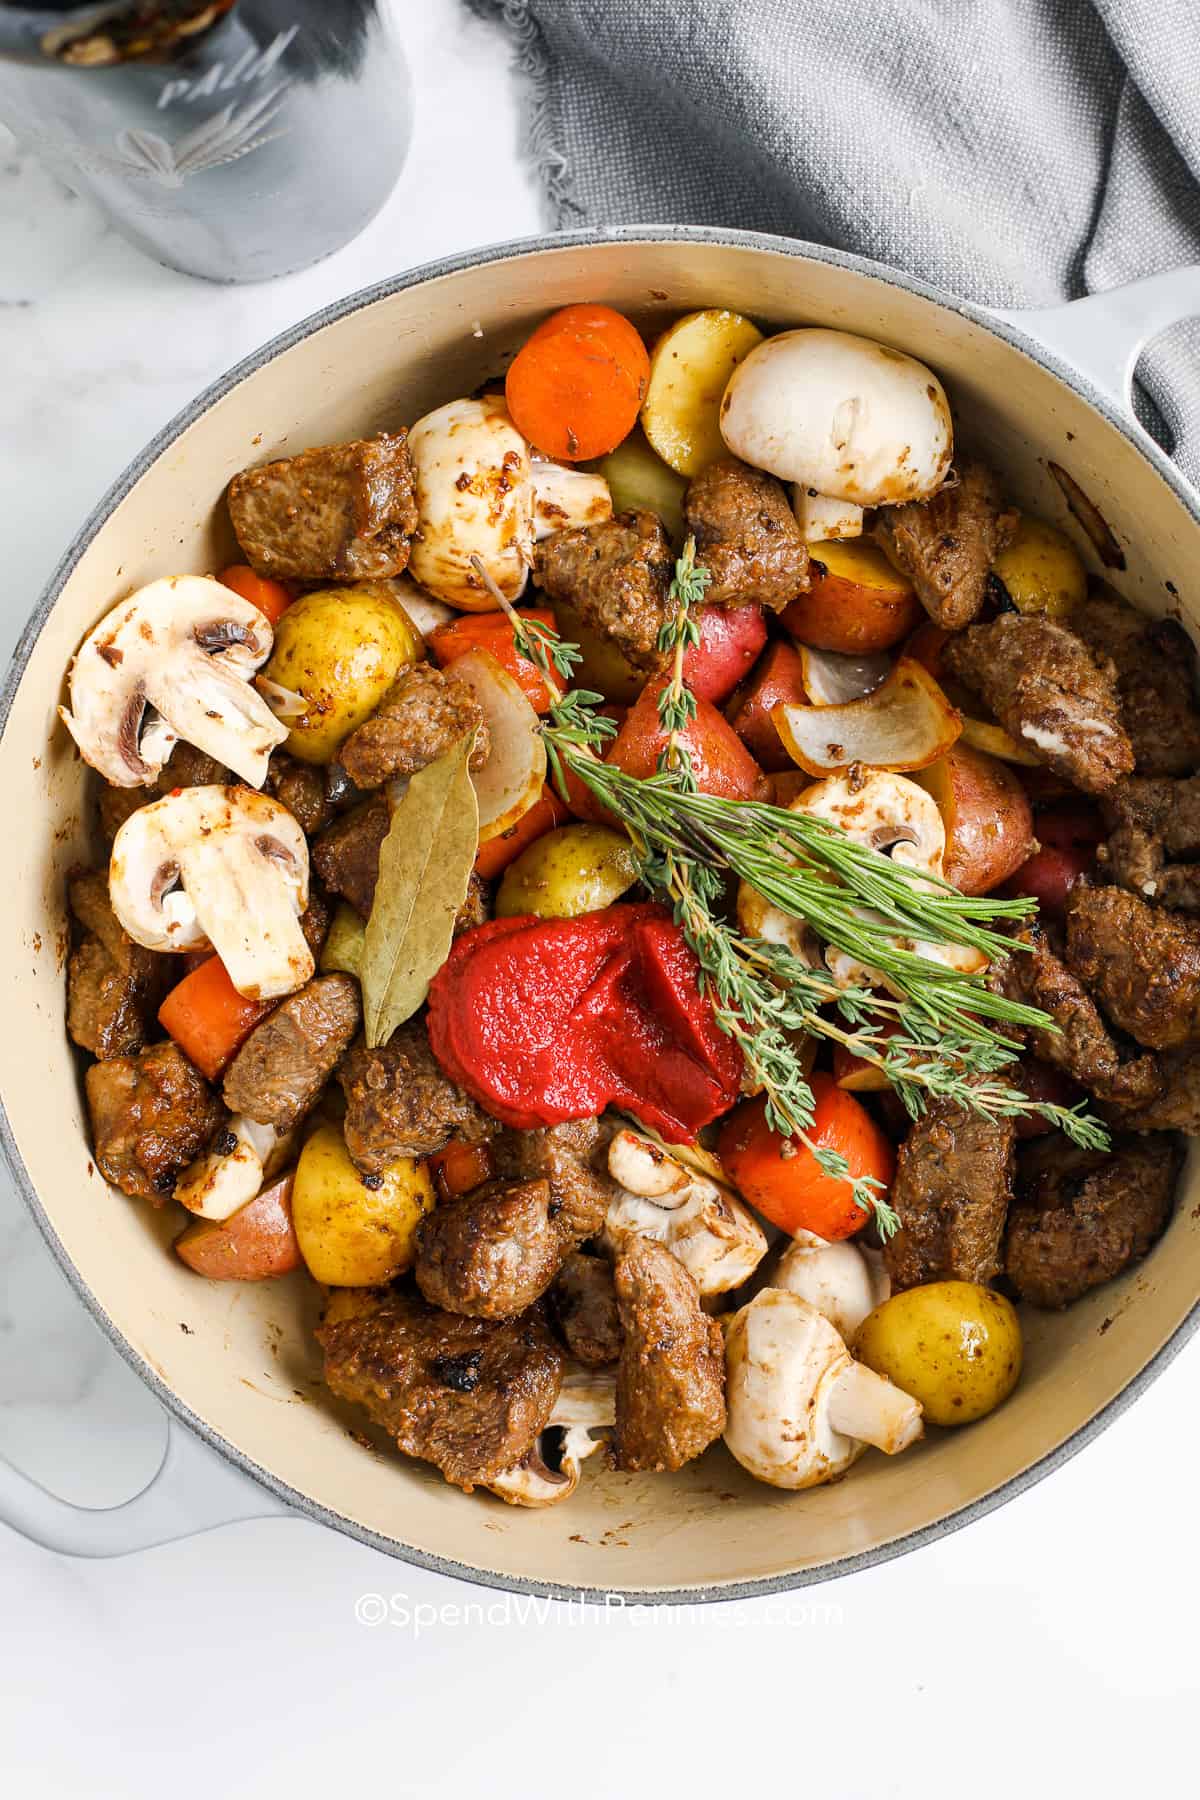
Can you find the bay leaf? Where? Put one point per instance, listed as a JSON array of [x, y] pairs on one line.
[[425, 866]]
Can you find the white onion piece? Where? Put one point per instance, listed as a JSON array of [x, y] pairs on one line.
[[425, 614], [512, 778], [831, 679], [905, 724], [995, 741]]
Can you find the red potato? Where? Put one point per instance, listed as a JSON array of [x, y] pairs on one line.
[[1068, 825], [777, 680], [1049, 875], [858, 602], [255, 1243], [731, 638], [926, 645], [721, 761], [986, 812], [1041, 1083]]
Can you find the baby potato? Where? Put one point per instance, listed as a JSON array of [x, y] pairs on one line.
[[1041, 570], [341, 648], [602, 665], [690, 368], [952, 1345], [640, 481], [576, 869], [352, 1232]]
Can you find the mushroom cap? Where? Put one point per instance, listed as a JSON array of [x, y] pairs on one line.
[[782, 1361], [840, 414], [587, 1403], [224, 866], [220, 1183], [841, 1280], [474, 498], [701, 1222], [186, 647]]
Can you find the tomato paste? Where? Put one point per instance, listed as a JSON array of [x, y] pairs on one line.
[[549, 1019]]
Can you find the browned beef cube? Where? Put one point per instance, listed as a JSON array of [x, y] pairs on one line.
[[671, 1374], [426, 714], [1142, 963], [1156, 680], [951, 1192], [152, 1114], [616, 576], [346, 855], [946, 545], [398, 1102], [746, 536], [280, 1070], [583, 1301], [344, 512]]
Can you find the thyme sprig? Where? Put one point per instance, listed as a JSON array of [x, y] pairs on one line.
[[935, 1032]]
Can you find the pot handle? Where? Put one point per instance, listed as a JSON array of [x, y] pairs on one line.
[[1103, 335], [193, 1490]]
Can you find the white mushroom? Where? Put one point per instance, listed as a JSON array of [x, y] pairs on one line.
[[425, 614], [820, 517], [887, 812], [844, 1281], [232, 1173], [700, 1221], [587, 1403], [801, 1410], [564, 497], [173, 661], [845, 418], [474, 498], [222, 866]]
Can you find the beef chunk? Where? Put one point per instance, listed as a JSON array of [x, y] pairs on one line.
[[278, 1073], [1082, 1047], [671, 1374], [1156, 681], [583, 1302], [1049, 692], [152, 1114], [476, 908], [425, 715], [946, 545], [1152, 822], [1176, 1105], [185, 767], [1141, 963], [1084, 1215], [316, 919], [490, 1253], [346, 855], [616, 576], [114, 987], [952, 1188], [345, 512], [469, 1395], [746, 536], [563, 1155], [398, 1102], [301, 788]]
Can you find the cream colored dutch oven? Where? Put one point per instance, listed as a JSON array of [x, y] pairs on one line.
[[236, 1364]]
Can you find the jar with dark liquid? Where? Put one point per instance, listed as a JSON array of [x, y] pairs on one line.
[[232, 139]]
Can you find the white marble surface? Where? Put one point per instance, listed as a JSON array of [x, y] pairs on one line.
[[1051, 1641]]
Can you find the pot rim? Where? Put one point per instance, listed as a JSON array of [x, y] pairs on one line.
[[581, 1593]]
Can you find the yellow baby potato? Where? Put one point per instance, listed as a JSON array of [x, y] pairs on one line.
[[952, 1345], [640, 481], [342, 649], [352, 1232], [690, 368], [1041, 570], [576, 869]]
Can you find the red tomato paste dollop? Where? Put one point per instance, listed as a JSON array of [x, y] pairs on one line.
[[542, 1020]]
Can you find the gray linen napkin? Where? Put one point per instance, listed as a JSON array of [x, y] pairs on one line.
[[1017, 152]]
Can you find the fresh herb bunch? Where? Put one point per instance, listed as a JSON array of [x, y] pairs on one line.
[[938, 1032]]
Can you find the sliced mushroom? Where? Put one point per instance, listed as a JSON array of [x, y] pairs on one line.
[[700, 1221], [232, 1173], [565, 497], [219, 866], [173, 661], [843, 1281], [587, 1403], [820, 517], [801, 1410], [847, 419]]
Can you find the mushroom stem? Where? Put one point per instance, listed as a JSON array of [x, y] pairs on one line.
[[864, 1405], [821, 517]]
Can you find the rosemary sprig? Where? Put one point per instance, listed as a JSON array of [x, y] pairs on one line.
[[938, 1032]]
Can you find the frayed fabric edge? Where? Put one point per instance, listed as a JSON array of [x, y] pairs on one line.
[[541, 138]]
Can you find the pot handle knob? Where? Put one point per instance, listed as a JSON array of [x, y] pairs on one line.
[[1103, 335], [193, 1490]]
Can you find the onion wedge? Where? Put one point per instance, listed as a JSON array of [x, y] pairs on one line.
[[512, 778], [905, 724], [831, 679], [995, 741]]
